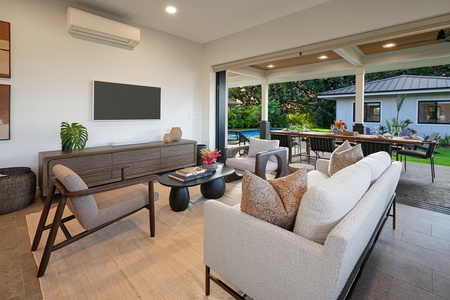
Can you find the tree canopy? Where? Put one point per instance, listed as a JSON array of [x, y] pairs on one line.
[[297, 103]]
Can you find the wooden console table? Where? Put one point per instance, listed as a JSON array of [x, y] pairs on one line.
[[143, 159]]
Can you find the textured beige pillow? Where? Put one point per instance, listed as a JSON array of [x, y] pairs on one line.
[[275, 201], [344, 156]]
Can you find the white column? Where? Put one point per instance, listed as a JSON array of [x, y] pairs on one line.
[[264, 99], [359, 96]]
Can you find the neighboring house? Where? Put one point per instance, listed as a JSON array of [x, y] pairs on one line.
[[427, 103]]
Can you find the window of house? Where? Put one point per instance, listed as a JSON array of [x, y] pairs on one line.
[[434, 112], [371, 112]]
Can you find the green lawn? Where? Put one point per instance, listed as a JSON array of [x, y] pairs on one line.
[[441, 157]]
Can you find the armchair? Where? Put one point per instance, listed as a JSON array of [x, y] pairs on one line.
[[262, 156], [94, 208]]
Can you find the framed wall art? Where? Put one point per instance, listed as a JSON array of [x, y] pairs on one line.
[[5, 57], [5, 104]]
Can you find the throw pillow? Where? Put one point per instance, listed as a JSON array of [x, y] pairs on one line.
[[344, 156], [275, 201]]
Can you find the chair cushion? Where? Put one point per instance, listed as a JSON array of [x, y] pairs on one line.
[[258, 145], [248, 163], [325, 204], [84, 208], [344, 156], [275, 201]]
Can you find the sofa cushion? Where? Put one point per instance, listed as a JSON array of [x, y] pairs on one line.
[[275, 201], [325, 204], [344, 156], [315, 177], [258, 145], [377, 162]]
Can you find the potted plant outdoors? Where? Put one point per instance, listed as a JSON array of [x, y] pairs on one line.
[[73, 136]]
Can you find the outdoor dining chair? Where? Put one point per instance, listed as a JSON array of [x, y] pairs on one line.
[[371, 147], [317, 145], [428, 154]]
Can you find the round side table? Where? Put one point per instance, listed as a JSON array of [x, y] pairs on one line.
[[17, 188]]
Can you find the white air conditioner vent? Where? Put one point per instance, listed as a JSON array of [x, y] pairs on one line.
[[83, 23]]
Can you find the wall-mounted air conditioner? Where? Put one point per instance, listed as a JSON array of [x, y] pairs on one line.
[[83, 23]]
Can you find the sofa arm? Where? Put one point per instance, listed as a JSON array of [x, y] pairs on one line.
[[322, 165], [261, 259], [232, 152]]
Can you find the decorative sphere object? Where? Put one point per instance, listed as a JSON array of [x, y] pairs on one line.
[[176, 132], [168, 138]]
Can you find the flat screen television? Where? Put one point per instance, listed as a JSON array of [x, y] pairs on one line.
[[122, 102]]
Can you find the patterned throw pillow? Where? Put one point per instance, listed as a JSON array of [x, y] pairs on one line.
[[344, 156], [275, 201]]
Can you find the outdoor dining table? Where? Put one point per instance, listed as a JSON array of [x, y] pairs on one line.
[[351, 137]]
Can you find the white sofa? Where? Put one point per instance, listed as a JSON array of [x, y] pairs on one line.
[[265, 261]]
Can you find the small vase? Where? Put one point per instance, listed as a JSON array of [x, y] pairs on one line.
[[168, 138], [176, 132], [211, 167]]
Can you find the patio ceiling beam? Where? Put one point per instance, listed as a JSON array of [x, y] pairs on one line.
[[351, 54]]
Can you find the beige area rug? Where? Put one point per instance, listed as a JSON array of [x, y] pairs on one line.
[[121, 261]]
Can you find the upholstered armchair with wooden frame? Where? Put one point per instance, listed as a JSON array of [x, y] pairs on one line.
[[94, 208], [261, 157]]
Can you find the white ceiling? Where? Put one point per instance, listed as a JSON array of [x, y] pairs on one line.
[[197, 20]]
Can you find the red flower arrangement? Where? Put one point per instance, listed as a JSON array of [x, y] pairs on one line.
[[210, 156], [339, 125]]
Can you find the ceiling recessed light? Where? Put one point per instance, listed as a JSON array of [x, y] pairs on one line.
[[171, 9], [323, 57], [271, 66], [389, 45]]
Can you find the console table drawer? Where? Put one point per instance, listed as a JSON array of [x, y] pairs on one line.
[[128, 157]]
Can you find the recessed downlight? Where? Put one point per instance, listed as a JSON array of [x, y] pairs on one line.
[[271, 66], [171, 9], [389, 45], [322, 57]]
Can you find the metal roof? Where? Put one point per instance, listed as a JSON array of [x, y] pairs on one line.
[[398, 84]]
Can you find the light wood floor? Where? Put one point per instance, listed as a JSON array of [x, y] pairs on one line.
[[412, 262]]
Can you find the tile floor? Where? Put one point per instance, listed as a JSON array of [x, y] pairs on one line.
[[412, 262]]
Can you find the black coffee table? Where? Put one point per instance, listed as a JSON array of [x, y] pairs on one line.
[[211, 187]]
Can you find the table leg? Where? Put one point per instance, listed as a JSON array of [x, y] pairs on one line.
[[213, 189], [179, 198]]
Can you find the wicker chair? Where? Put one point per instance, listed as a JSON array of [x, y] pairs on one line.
[[317, 145], [94, 208], [372, 147], [17, 188]]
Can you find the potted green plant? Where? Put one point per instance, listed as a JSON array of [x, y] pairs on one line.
[[73, 136]]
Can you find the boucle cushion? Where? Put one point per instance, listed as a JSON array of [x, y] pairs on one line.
[[275, 201], [258, 145], [325, 204], [377, 162], [344, 156]]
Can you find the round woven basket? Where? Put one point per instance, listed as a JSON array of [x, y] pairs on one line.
[[17, 188]]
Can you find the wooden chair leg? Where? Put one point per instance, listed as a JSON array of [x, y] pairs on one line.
[[151, 207], [43, 219], [51, 237]]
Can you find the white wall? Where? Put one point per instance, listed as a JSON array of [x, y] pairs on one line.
[[51, 82]]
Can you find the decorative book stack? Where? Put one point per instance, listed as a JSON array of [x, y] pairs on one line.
[[188, 174]]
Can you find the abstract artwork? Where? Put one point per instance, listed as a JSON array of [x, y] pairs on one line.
[[5, 58], [5, 92]]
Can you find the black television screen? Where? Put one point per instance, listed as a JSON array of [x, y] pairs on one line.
[[118, 101]]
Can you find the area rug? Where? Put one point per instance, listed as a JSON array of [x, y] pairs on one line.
[[121, 261], [415, 184]]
